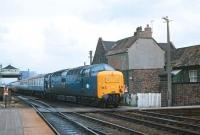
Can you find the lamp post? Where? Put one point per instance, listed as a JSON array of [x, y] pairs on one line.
[[169, 81]]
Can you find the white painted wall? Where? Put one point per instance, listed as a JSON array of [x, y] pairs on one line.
[[146, 54]]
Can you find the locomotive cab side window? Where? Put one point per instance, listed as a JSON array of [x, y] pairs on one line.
[[87, 72]]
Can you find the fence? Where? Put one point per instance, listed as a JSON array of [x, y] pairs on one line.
[[143, 99]]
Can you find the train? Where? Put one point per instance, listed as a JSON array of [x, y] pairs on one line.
[[98, 84]]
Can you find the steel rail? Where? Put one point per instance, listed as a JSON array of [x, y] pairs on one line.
[[166, 121], [109, 124], [173, 117], [42, 116], [79, 125], [153, 124], [46, 121]]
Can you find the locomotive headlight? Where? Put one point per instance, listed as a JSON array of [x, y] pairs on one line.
[[87, 86]]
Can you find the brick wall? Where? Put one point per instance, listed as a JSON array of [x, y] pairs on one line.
[[186, 94], [119, 61], [182, 93], [163, 90], [144, 80]]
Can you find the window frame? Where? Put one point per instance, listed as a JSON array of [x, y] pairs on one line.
[[193, 76]]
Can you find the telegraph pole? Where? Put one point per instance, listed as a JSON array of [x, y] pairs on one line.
[[0, 74], [90, 56], [169, 80]]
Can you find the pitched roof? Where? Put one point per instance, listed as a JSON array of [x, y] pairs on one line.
[[107, 45], [164, 46], [187, 56], [9, 67], [122, 45]]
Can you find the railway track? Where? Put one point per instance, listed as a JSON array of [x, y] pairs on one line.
[[189, 120], [114, 123], [70, 123], [157, 122], [104, 123], [184, 111], [60, 123]]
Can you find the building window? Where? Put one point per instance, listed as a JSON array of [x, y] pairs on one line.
[[193, 75]]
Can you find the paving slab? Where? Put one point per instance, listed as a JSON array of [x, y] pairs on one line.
[[33, 124], [22, 122], [11, 122]]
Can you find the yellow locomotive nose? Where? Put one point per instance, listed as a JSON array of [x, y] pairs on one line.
[[109, 82]]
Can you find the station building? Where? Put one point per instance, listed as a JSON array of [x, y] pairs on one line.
[[185, 77], [143, 63]]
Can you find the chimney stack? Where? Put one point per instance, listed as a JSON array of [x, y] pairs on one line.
[[147, 33]]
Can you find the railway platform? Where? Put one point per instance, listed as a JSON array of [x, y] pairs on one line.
[[22, 121]]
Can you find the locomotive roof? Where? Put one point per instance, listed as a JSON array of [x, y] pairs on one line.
[[88, 66], [59, 71], [37, 76]]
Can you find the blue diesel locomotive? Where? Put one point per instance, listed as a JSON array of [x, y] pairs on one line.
[[97, 84]]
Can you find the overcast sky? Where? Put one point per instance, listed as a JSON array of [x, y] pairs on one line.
[[48, 35]]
